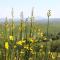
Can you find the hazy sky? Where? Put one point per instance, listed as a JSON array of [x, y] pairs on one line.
[[40, 7]]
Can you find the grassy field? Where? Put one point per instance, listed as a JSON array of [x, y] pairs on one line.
[[28, 41]]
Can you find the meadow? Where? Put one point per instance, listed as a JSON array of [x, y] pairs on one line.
[[29, 40]]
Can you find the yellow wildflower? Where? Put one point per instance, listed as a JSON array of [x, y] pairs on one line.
[[15, 46], [41, 34], [41, 46], [30, 58], [45, 38], [53, 57], [23, 41], [31, 49], [26, 46], [19, 43], [31, 40], [11, 38], [6, 45], [14, 58], [21, 52]]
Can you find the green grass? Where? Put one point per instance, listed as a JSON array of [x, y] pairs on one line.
[[53, 28]]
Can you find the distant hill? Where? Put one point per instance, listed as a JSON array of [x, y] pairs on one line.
[[39, 20]]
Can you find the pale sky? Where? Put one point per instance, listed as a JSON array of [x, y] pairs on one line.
[[40, 8]]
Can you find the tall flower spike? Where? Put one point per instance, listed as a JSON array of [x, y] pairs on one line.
[[6, 23], [49, 13], [12, 21], [32, 14], [21, 15], [12, 13]]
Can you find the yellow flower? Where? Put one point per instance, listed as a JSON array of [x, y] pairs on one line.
[[26, 46], [15, 46], [11, 38], [41, 46], [14, 58], [31, 49], [45, 38], [23, 41], [53, 57], [31, 40], [19, 42], [6, 45], [41, 34], [30, 58], [21, 52]]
